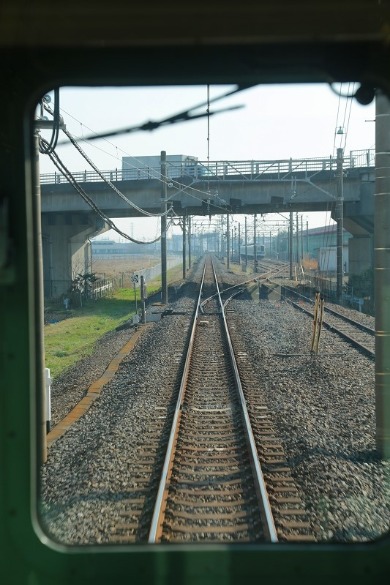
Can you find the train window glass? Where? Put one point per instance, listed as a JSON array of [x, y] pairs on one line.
[[276, 185]]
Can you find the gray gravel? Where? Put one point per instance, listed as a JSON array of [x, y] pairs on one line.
[[88, 472], [72, 385], [323, 407]]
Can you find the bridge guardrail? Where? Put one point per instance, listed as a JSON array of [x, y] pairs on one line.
[[249, 170]]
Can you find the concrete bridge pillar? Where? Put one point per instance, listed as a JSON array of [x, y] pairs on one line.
[[66, 249], [361, 254]]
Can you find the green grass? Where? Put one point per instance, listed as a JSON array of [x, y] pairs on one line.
[[74, 338]]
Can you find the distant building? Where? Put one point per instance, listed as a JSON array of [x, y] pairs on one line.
[[149, 167], [175, 243], [327, 259], [107, 248], [310, 243], [110, 248]]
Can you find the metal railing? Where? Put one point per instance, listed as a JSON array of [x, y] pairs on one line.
[[57, 290], [250, 170]]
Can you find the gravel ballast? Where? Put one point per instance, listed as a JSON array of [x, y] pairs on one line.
[[323, 408]]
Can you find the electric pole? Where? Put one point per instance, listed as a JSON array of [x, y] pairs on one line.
[[189, 242], [227, 241], [164, 284], [246, 244], [254, 243], [339, 219], [184, 244], [239, 243], [382, 274], [291, 244]]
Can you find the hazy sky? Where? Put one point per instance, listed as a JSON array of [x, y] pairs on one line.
[[275, 122]]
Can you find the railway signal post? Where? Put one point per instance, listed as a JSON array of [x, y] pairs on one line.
[[134, 280]]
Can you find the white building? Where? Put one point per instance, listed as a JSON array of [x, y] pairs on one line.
[[149, 167], [327, 259]]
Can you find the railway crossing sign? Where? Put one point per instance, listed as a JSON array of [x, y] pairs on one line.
[[134, 279]]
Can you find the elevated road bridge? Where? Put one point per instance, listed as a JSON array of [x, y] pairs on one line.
[[308, 184], [205, 188]]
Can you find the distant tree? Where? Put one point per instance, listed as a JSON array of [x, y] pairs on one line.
[[81, 286]]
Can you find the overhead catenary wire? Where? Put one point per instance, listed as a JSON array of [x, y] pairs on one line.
[[184, 116], [188, 189], [109, 183], [349, 103], [104, 179], [68, 175]]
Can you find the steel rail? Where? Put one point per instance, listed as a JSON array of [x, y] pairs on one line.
[[360, 326], [367, 351], [342, 317], [265, 509], [157, 512], [356, 324], [262, 276]]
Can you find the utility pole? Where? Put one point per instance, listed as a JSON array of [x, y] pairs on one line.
[[239, 243], [297, 235], [301, 238], [189, 242], [246, 244], [307, 237], [143, 299], [184, 245], [227, 241], [164, 284], [222, 237], [382, 274], [254, 243], [291, 244], [339, 219]]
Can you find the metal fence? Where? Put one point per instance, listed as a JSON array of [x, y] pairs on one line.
[[155, 271], [247, 170], [56, 291]]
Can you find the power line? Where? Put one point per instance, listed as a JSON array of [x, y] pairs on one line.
[[184, 116], [68, 175], [180, 186], [108, 182], [96, 169]]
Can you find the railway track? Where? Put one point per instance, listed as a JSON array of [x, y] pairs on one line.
[[102, 478], [212, 487], [355, 333], [209, 466]]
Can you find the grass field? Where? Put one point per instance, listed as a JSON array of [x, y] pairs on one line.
[[115, 266], [73, 334]]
